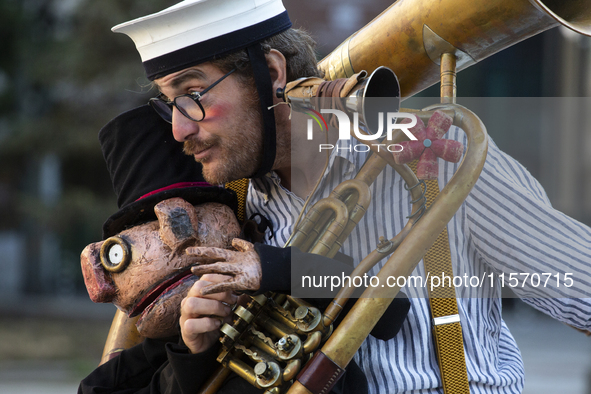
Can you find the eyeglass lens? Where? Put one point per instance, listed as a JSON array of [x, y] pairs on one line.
[[162, 108], [189, 106]]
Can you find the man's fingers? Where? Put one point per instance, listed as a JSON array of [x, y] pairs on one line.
[[195, 307], [242, 245], [196, 291], [192, 328]]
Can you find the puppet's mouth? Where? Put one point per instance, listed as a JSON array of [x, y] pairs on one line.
[[163, 287]]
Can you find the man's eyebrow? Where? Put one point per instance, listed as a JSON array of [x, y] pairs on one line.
[[184, 77]]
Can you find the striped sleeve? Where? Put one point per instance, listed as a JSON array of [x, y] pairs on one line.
[[543, 255]]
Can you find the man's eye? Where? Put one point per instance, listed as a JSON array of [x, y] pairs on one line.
[[196, 94]]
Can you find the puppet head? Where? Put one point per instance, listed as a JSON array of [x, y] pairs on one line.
[[144, 270], [164, 207]]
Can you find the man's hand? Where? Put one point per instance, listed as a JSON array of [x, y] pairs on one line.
[[243, 265], [203, 315]]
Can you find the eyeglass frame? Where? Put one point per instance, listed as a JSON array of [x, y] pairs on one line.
[[195, 96]]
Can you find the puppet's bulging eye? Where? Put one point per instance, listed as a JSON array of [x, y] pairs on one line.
[[115, 254]]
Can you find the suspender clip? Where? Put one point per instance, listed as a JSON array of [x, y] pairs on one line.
[[438, 321]]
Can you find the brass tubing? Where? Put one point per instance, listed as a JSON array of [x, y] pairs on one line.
[[312, 343], [371, 169], [291, 370], [272, 327], [333, 231], [263, 346], [477, 28], [242, 369], [297, 302], [348, 337], [368, 174], [334, 309], [355, 214], [122, 335], [282, 319], [349, 192], [299, 388], [448, 78], [321, 225], [213, 383]]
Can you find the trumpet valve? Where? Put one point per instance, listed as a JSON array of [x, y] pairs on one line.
[[307, 318], [288, 347], [267, 373]]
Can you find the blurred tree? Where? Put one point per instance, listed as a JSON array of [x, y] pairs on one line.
[[63, 75]]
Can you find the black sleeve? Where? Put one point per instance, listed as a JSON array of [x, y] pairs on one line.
[[185, 373], [130, 372], [154, 366], [276, 266], [277, 269]]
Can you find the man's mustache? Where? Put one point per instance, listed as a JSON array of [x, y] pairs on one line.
[[194, 146]]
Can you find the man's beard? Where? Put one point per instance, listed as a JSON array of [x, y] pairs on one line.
[[239, 156]]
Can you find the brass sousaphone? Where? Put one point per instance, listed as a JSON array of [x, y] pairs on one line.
[[423, 42]]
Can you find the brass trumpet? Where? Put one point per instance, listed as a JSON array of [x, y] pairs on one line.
[[413, 34]]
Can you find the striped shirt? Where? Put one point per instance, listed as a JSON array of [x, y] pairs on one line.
[[506, 226]]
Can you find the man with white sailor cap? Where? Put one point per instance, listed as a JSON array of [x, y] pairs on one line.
[[218, 65]]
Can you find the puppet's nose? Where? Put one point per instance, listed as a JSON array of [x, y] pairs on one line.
[[98, 284]]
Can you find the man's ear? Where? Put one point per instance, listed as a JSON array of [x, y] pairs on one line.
[[277, 69]]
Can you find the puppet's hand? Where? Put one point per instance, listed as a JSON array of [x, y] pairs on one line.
[[243, 265]]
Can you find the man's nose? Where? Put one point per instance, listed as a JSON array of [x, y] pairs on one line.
[[182, 127]]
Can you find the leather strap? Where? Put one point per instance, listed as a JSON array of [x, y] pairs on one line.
[[320, 374], [447, 330]]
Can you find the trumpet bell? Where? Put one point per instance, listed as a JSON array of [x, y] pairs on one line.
[[376, 96], [571, 14]]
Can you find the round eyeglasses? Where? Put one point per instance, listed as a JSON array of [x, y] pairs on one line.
[[187, 104]]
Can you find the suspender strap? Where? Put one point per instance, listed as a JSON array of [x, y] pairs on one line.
[[240, 187], [447, 330]]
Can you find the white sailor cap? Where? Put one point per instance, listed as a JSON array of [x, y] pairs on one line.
[[194, 31]]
